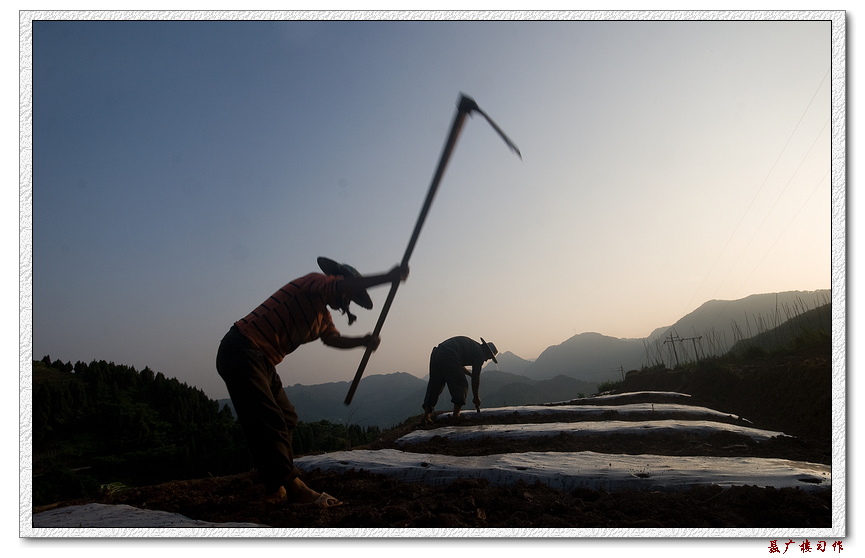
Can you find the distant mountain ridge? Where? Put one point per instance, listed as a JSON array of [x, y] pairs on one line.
[[590, 357], [719, 324], [713, 328], [510, 362]]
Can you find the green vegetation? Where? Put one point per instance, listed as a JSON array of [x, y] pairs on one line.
[[802, 329], [766, 345], [328, 436], [105, 427], [610, 385]]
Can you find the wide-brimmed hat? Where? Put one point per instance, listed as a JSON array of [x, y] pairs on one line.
[[330, 267], [491, 348]]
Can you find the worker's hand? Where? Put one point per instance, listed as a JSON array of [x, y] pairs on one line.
[[398, 273], [371, 341]]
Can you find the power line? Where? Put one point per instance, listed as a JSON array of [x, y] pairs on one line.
[[694, 340], [785, 230], [783, 149], [771, 247], [742, 252]]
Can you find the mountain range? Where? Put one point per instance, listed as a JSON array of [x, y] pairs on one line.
[[565, 371], [710, 330]]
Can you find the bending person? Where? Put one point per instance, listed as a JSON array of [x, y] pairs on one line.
[[248, 354], [447, 367]]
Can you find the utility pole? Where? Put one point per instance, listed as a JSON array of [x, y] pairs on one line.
[[671, 341], [694, 340]]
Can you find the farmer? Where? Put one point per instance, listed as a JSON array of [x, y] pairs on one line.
[[248, 354], [447, 366]]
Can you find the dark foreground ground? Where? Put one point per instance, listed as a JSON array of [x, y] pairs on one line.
[[789, 394]]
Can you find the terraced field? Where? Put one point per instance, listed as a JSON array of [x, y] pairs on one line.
[[636, 441], [747, 446]]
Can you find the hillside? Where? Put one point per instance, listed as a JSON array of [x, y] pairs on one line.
[[102, 422], [591, 357], [717, 325], [509, 362], [501, 389], [788, 393], [710, 330]]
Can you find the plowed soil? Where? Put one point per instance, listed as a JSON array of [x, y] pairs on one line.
[[789, 394]]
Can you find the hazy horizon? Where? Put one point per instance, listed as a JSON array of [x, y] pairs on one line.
[[809, 303], [183, 171]]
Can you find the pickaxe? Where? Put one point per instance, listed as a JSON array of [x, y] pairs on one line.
[[466, 106]]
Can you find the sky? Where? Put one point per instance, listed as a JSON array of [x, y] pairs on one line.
[[183, 171]]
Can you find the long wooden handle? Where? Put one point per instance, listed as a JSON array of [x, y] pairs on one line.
[[465, 106]]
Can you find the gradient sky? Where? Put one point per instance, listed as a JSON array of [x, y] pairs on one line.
[[183, 171]]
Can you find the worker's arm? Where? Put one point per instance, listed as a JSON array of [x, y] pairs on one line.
[[476, 386], [351, 285], [338, 341]]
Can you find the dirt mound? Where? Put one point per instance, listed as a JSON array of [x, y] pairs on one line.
[[789, 394], [376, 501]]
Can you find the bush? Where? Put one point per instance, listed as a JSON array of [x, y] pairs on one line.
[[60, 483], [609, 386]]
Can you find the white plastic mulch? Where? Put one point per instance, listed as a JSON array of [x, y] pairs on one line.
[[560, 470], [118, 516], [571, 470], [523, 431], [625, 396], [626, 409]]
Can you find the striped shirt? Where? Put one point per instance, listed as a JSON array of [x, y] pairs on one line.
[[295, 314]]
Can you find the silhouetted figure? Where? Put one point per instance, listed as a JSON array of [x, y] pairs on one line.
[[248, 354], [447, 367]]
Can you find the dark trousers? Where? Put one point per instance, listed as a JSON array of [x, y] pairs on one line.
[[443, 371], [266, 415]]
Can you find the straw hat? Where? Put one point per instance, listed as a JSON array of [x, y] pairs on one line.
[[330, 267], [491, 348]]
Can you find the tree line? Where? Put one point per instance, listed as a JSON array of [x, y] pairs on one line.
[[101, 425]]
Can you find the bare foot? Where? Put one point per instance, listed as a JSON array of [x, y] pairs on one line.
[[299, 493]]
